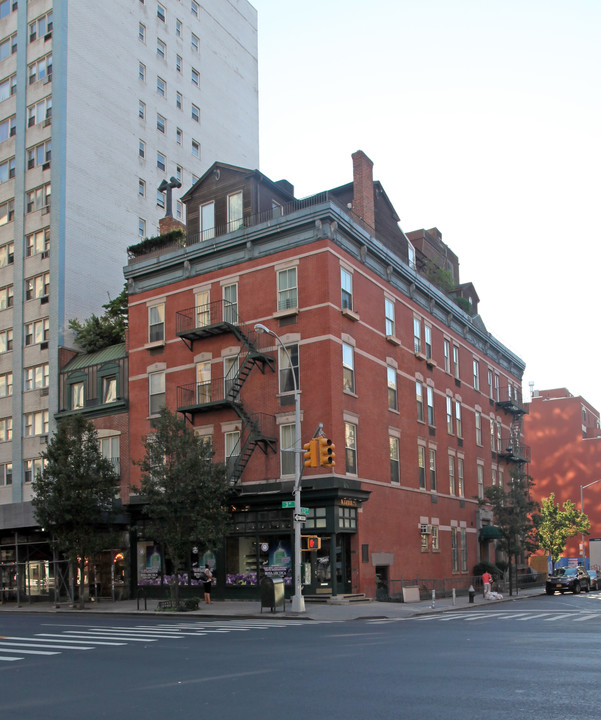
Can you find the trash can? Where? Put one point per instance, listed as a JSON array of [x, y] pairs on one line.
[[272, 594]]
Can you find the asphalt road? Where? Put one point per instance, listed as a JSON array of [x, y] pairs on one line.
[[536, 658]]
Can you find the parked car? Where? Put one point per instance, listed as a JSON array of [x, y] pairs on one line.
[[568, 579], [595, 579]]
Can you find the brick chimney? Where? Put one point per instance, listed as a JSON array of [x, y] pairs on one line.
[[363, 188], [167, 224]]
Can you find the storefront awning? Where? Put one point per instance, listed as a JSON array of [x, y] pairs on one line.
[[489, 532]]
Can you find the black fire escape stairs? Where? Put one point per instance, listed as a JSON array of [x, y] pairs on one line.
[[258, 429], [514, 448]]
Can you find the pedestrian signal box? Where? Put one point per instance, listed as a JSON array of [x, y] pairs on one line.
[[310, 542]]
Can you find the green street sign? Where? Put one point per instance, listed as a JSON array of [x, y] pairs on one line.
[[288, 504], [305, 511]]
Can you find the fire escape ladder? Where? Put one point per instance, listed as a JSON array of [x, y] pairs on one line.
[[259, 430]]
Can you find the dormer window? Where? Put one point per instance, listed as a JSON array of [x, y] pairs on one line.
[[234, 211], [207, 221], [77, 396], [109, 389]]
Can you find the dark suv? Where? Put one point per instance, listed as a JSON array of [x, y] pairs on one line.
[[568, 579]]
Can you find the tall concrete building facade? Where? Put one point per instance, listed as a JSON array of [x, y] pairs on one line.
[[99, 103]]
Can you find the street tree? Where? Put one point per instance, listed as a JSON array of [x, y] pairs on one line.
[[96, 333], [514, 513], [186, 494], [74, 493], [556, 526]]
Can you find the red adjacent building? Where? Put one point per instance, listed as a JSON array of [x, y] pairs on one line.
[[565, 436], [392, 360]]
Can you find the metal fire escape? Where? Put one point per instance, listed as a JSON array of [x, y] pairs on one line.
[[513, 448], [258, 429]]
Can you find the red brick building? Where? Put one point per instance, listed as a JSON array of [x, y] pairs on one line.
[[422, 403], [564, 433]]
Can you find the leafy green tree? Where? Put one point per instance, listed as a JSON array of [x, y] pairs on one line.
[[186, 493], [73, 495], [514, 513], [556, 526], [96, 333]]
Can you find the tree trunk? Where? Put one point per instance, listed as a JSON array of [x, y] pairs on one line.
[[82, 582]]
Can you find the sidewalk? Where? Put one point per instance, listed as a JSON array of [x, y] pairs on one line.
[[230, 609]]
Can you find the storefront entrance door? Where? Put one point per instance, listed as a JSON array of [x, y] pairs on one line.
[[319, 567]]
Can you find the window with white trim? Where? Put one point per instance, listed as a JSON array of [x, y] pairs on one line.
[[432, 458], [395, 464], [36, 332], [350, 447], [156, 392], [6, 384], [156, 323], [230, 303], [76, 393], [430, 396], [286, 377], [417, 335], [451, 475], [348, 367], [31, 469], [287, 289], [392, 387], [6, 429], [346, 289], [460, 479], [6, 474], [234, 211], [36, 423], [36, 377], [421, 466], [419, 396], [207, 221], [287, 442], [478, 423], [6, 340], [389, 317]]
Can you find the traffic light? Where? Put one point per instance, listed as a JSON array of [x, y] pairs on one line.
[[310, 542], [311, 451], [326, 452]]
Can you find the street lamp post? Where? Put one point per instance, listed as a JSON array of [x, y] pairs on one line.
[[298, 601], [583, 487]]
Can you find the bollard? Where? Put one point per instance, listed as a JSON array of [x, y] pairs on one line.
[[433, 598], [471, 593], [453, 597]]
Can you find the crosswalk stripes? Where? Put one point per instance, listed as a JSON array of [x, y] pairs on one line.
[[471, 616], [15, 648]]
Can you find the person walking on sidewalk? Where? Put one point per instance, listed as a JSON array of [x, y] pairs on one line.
[[208, 582], [486, 583]]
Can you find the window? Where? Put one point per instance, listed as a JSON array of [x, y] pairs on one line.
[[109, 389], [395, 465], [141, 110], [8, 127], [36, 332], [6, 474], [178, 100], [203, 382], [232, 449], [161, 86], [142, 32], [419, 396], [77, 396], [287, 445], [36, 377], [6, 297], [36, 423], [194, 8], [7, 170], [451, 475], [142, 71], [160, 199], [476, 367], [463, 550], [287, 290], [6, 8], [478, 421], [195, 77], [346, 289], [195, 113], [39, 155], [460, 485], [480, 476], [231, 369], [496, 397], [7, 211], [430, 394], [179, 209], [389, 314], [161, 12], [156, 391], [234, 211], [161, 48], [39, 27], [178, 172], [6, 429], [428, 340], [141, 187], [417, 335], [141, 227], [196, 148], [31, 469], [156, 323], [454, 550], [110, 449], [456, 361], [6, 384], [286, 378], [499, 440], [492, 435], [178, 63], [141, 148], [161, 123], [178, 28], [41, 69], [6, 46], [37, 287], [161, 161], [449, 415], [230, 303], [194, 42], [447, 357], [490, 384], [348, 368], [350, 447], [207, 221], [7, 254], [432, 454], [435, 538], [458, 418], [8, 87], [203, 308], [179, 136], [38, 198], [421, 466], [392, 388]]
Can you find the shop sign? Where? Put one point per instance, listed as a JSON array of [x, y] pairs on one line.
[[349, 502]]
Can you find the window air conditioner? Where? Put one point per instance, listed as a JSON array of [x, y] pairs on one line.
[[426, 529]]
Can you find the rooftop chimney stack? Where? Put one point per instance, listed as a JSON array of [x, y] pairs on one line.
[[363, 188]]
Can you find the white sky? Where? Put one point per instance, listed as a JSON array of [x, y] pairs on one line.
[[483, 119]]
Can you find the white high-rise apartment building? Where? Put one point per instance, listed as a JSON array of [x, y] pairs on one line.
[[100, 100]]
